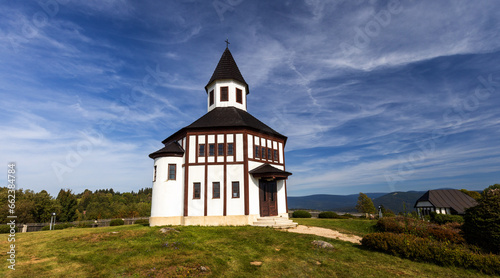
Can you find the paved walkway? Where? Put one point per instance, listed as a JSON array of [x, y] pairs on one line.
[[324, 232]]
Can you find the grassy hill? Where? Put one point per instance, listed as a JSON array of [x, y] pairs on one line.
[[138, 251]]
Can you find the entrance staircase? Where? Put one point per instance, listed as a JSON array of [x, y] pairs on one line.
[[275, 222]]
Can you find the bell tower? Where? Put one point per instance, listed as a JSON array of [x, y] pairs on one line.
[[227, 87]]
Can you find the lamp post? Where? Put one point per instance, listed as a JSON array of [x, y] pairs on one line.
[[52, 220]]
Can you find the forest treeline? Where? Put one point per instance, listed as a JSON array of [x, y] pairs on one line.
[[31, 207]]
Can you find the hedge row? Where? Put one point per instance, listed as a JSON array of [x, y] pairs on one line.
[[144, 222], [448, 232], [428, 250], [116, 222], [301, 214], [5, 229], [58, 226], [328, 214]]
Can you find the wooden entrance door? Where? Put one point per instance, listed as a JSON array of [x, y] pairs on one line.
[[267, 195]]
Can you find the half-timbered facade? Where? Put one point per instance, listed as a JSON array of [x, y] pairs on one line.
[[226, 168]]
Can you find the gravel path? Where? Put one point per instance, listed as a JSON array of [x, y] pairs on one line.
[[301, 229]]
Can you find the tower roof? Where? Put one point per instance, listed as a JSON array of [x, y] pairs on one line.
[[171, 149], [227, 69]]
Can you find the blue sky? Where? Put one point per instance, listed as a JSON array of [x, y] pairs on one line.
[[374, 96]]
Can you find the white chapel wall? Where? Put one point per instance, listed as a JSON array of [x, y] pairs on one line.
[[280, 188], [253, 191], [192, 148], [215, 174], [250, 145], [239, 147], [168, 195], [235, 206], [196, 206]]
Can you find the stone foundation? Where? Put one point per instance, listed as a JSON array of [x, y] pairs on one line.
[[230, 220]]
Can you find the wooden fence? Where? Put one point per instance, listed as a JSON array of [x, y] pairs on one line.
[[35, 227]]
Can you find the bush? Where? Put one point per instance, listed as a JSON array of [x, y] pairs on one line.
[[5, 229], [328, 214], [482, 222], [63, 226], [301, 214], [347, 215], [404, 225], [116, 222], [144, 222], [84, 225], [428, 250], [445, 218]]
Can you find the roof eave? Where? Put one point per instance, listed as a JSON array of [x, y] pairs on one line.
[[171, 154], [242, 83]]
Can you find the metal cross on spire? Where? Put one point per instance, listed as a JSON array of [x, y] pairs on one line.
[[227, 43]]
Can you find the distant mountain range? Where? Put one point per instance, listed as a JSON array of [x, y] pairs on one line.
[[395, 201]]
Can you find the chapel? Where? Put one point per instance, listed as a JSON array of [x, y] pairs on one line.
[[226, 168]]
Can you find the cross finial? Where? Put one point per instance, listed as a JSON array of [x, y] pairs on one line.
[[227, 43]]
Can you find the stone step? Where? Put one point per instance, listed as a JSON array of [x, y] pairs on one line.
[[275, 222], [271, 218]]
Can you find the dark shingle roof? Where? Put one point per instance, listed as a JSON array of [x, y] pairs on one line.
[[171, 149], [448, 198], [228, 117], [227, 69], [266, 170]]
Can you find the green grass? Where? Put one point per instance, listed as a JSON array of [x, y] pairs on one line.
[[359, 227], [138, 251]]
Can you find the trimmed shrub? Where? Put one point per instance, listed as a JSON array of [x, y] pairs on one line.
[[116, 222], [5, 229], [482, 222], [428, 250], [301, 214], [328, 214], [143, 222]]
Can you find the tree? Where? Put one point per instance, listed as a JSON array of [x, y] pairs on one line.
[[482, 222], [386, 212], [24, 206], [69, 204], [473, 194], [365, 204], [45, 205]]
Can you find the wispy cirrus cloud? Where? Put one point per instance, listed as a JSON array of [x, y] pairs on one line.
[[131, 76]]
